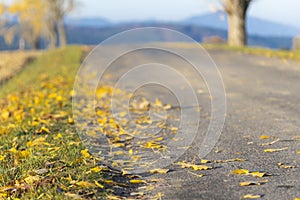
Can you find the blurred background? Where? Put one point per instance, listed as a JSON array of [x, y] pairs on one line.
[[41, 24]]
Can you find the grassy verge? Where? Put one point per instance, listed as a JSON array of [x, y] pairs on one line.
[[283, 54], [12, 62], [41, 156]]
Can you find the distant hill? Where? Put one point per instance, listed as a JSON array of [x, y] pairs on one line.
[[255, 26], [96, 22], [92, 31], [93, 36]]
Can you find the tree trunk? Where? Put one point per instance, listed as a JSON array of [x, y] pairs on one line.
[[236, 11], [61, 33], [237, 34]]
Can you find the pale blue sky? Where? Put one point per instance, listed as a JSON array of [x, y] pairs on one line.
[[286, 11]]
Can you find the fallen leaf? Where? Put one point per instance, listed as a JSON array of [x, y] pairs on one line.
[[159, 171], [137, 181], [240, 171], [2, 157], [205, 161], [84, 184], [85, 153], [98, 184], [98, 169], [281, 165], [230, 160], [43, 130], [263, 137], [251, 196], [130, 152], [248, 183], [270, 143], [193, 166], [31, 179], [297, 151], [258, 174], [275, 150]]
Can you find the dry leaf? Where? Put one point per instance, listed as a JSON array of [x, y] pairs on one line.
[[137, 181], [230, 160], [84, 184], [281, 165], [258, 174], [2, 157], [98, 185], [85, 153], [159, 171], [263, 137], [297, 151], [275, 150], [251, 196], [205, 161], [31, 179], [248, 183], [270, 143], [240, 171], [193, 166]]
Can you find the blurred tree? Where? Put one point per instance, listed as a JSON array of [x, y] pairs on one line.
[[59, 9], [2, 8], [236, 11], [31, 26]]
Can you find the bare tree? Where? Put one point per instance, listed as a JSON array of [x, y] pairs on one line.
[[59, 8], [237, 11]]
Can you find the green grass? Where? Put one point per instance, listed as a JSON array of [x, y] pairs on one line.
[[41, 154]]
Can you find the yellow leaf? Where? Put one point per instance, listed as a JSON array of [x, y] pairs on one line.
[[85, 153], [125, 173], [99, 185], [24, 153], [281, 165], [31, 179], [43, 130], [167, 107], [71, 120], [41, 141], [2, 157], [13, 150], [275, 150], [130, 152], [297, 198], [258, 174], [84, 184], [247, 183], [158, 102], [193, 166], [5, 115], [98, 169], [137, 181], [251, 196], [240, 171], [264, 137], [205, 161], [59, 136], [297, 151], [159, 171]]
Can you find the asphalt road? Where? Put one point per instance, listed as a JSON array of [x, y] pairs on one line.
[[263, 98]]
